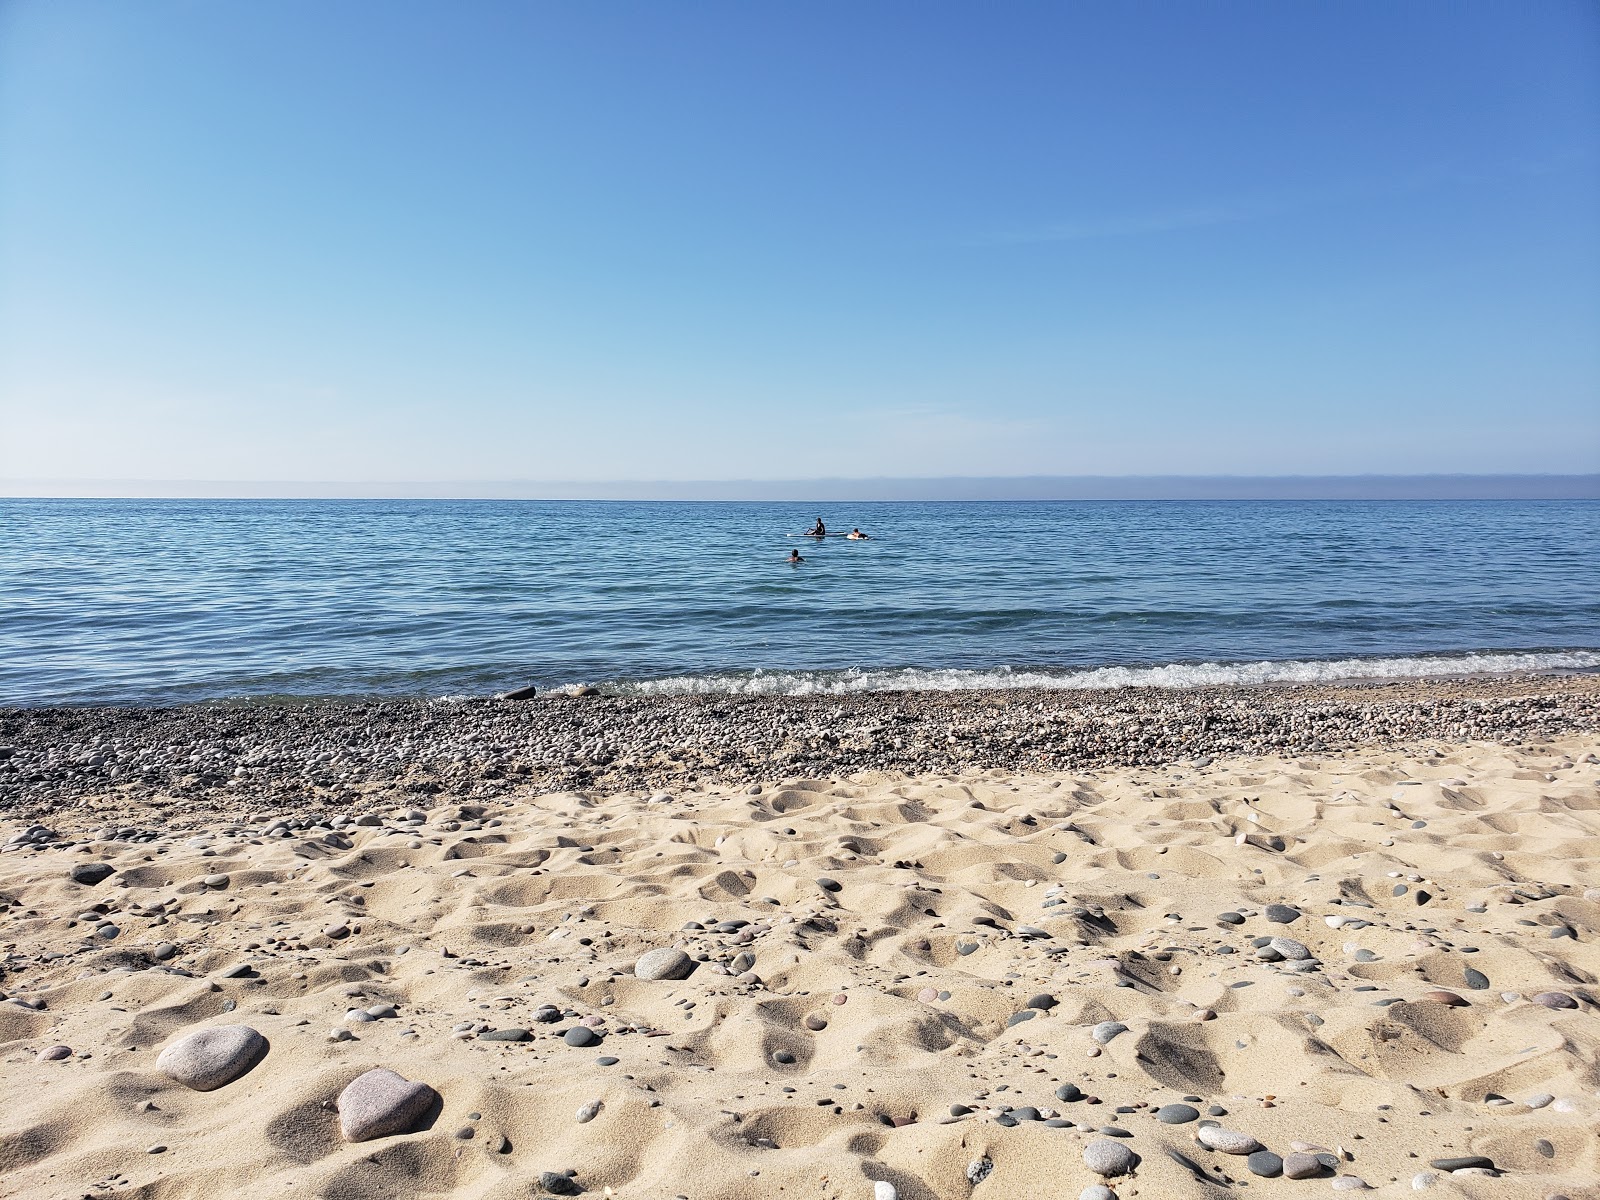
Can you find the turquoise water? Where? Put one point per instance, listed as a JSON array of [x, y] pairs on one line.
[[163, 600]]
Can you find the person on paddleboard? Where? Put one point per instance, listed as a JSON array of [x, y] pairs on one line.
[[794, 557], [819, 529]]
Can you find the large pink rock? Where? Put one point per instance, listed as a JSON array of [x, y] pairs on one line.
[[381, 1103]]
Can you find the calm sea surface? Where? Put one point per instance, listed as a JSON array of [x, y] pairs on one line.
[[155, 601]]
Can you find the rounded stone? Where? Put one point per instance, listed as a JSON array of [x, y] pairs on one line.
[[1177, 1114], [1107, 1030], [211, 1058], [1109, 1158], [1097, 1191], [1300, 1165], [91, 873], [1443, 997], [580, 1035], [1282, 914], [1265, 1164], [1226, 1141], [54, 1053], [1044, 1002], [380, 1103], [665, 963], [1555, 1000]]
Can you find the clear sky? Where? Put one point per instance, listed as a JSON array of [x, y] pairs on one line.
[[437, 241]]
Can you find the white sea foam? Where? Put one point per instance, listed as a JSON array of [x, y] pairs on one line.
[[1170, 675]]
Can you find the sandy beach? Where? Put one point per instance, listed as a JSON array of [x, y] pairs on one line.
[[1269, 941]]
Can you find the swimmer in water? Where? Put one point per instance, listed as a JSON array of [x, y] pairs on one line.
[[855, 535], [794, 557]]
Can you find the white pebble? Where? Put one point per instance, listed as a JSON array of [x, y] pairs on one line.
[[1423, 1181], [884, 1190]]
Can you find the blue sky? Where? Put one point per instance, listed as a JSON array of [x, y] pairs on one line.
[[484, 241]]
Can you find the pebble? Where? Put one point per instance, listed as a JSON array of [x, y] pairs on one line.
[[54, 1053], [1443, 997], [978, 1170], [91, 873], [558, 1183], [1177, 1114], [380, 1103], [665, 963], [512, 1034], [1097, 1191], [1282, 914], [1226, 1141], [212, 1058], [1351, 1183], [580, 1035], [589, 1112], [1301, 1165], [1464, 1162], [1423, 1180], [1290, 948], [1109, 1158], [1265, 1164], [1555, 1000], [1107, 1030], [882, 1189], [1475, 979]]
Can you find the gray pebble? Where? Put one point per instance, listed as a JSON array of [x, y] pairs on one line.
[[1282, 914], [1265, 1164], [1226, 1141], [1109, 1158], [1177, 1114], [665, 963], [91, 873], [580, 1035], [1106, 1031]]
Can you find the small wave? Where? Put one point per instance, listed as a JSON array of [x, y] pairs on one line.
[[1169, 675]]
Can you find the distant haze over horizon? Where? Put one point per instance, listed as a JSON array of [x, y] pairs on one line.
[[1044, 487]]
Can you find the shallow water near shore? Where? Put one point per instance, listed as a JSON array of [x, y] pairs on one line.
[[154, 601]]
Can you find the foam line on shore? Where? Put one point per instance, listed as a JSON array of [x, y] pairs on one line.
[[1167, 675]]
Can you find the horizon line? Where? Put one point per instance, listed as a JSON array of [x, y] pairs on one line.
[[1363, 486]]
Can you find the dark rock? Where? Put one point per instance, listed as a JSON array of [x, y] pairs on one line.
[[1282, 914], [1463, 1163], [1265, 1164], [91, 873], [1177, 1114]]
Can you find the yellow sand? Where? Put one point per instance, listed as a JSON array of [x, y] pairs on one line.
[[497, 920]]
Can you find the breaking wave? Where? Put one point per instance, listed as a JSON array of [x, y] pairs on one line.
[[1168, 675]]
